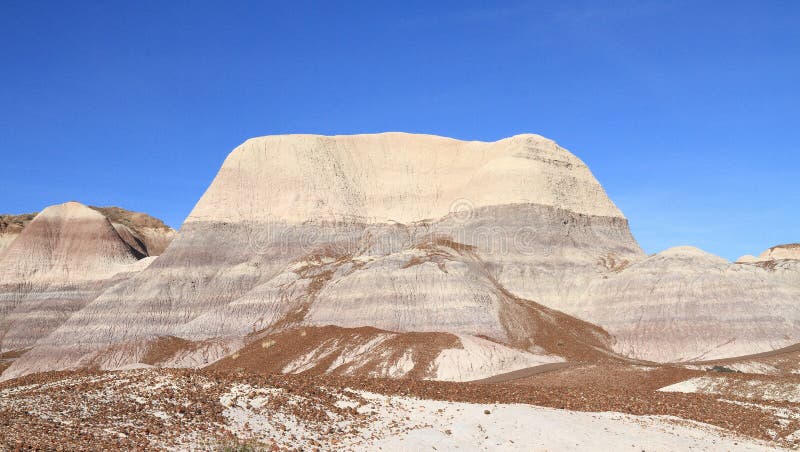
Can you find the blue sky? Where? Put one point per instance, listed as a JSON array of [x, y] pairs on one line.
[[687, 112]]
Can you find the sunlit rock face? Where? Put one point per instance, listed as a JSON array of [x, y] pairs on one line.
[[402, 232], [60, 261], [790, 251]]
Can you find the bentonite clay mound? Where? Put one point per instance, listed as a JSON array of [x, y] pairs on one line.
[[62, 258], [148, 235], [684, 304], [368, 351]]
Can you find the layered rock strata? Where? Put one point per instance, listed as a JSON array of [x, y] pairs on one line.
[[687, 305], [405, 233], [61, 260]]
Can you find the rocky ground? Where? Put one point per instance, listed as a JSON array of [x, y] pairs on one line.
[[577, 407]]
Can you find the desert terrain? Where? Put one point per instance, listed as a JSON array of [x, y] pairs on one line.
[[390, 292]]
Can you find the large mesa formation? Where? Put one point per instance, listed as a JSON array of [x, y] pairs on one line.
[[428, 234], [337, 254]]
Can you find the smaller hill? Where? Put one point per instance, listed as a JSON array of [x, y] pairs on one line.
[[684, 304], [61, 259]]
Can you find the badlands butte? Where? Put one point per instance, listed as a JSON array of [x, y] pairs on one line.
[[406, 257]]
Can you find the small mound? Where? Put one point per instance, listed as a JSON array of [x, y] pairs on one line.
[[371, 352], [58, 262], [689, 252], [747, 259], [66, 242], [162, 349], [341, 351]]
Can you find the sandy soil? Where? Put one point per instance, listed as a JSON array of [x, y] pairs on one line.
[[575, 408]]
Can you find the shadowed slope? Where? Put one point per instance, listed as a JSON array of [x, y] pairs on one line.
[[11, 226], [147, 234]]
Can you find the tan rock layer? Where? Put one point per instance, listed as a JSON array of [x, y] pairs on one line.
[[394, 177]]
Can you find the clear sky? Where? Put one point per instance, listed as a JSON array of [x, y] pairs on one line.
[[688, 112]]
